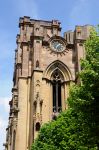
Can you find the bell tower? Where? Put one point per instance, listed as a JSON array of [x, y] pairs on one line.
[[45, 66]]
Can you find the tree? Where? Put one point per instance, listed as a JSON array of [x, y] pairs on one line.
[[84, 99], [78, 127]]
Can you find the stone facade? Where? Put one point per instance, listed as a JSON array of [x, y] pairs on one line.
[[42, 76]]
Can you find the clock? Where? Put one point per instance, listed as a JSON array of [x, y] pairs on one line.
[[57, 45]]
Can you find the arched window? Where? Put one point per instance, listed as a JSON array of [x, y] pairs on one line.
[[59, 76], [56, 82]]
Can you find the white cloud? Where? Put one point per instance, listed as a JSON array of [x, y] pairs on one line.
[[4, 103]]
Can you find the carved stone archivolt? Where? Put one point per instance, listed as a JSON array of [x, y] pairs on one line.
[[60, 67]]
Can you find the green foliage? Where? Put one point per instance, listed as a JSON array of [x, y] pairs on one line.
[[78, 127]]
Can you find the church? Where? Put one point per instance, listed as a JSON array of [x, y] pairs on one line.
[[45, 66]]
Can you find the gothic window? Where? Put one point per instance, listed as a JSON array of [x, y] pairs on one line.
[[56, 82]]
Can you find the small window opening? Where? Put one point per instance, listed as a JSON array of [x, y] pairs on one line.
[[38, 126]]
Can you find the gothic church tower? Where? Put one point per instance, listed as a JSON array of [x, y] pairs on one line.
[[45, 66]]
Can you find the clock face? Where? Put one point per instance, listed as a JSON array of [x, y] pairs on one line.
[[57, 45]]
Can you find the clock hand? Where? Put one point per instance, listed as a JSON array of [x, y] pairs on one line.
[[57, 45]]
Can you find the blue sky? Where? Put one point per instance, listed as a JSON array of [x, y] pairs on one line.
[[68, 12]]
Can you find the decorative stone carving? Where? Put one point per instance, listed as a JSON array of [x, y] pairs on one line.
[[38, 104]]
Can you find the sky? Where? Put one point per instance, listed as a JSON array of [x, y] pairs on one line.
[[68, 12]]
